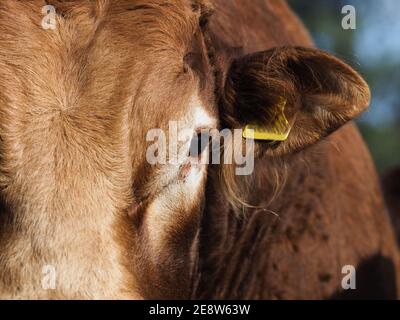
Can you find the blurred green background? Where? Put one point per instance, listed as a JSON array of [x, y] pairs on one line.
[[373, 49]]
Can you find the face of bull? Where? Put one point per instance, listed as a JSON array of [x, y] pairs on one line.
[[78, 193]]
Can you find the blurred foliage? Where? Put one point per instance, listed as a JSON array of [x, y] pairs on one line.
[[374, 50], [384, 144]]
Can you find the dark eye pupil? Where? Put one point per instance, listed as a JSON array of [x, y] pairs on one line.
[[190, 58], [198, 144]]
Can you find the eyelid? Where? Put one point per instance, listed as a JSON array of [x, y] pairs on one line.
[[189, 58], [197, 143]]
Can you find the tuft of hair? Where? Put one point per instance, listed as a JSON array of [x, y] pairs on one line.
[[237, 189]]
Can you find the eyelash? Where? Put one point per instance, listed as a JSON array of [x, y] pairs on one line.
[[197, 145]]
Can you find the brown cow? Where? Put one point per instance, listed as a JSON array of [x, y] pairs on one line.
[[85, 215], [391, 188]]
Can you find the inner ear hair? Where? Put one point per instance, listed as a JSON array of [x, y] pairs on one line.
[[309, 79]]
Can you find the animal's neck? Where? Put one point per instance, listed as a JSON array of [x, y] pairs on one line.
[[234, 243]]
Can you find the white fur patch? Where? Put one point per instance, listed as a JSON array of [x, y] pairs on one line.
[[180, 195]]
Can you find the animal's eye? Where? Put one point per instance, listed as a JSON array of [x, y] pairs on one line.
[[189, 60], [198, 144]]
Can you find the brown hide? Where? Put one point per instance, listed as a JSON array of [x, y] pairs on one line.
[[391, 188], [76, 190], [329, 214]]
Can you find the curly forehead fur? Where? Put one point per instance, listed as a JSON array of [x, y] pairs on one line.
[[75, 105]]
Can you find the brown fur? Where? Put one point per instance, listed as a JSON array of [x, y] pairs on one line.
[[328, 214], [391, 188], [76, 190], [76, 104]]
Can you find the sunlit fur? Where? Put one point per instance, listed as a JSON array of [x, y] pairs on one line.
[[77, 192]]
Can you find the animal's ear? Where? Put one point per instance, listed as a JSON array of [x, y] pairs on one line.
[[294, 96]]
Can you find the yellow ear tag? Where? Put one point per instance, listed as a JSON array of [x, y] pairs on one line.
[[277, 130]]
